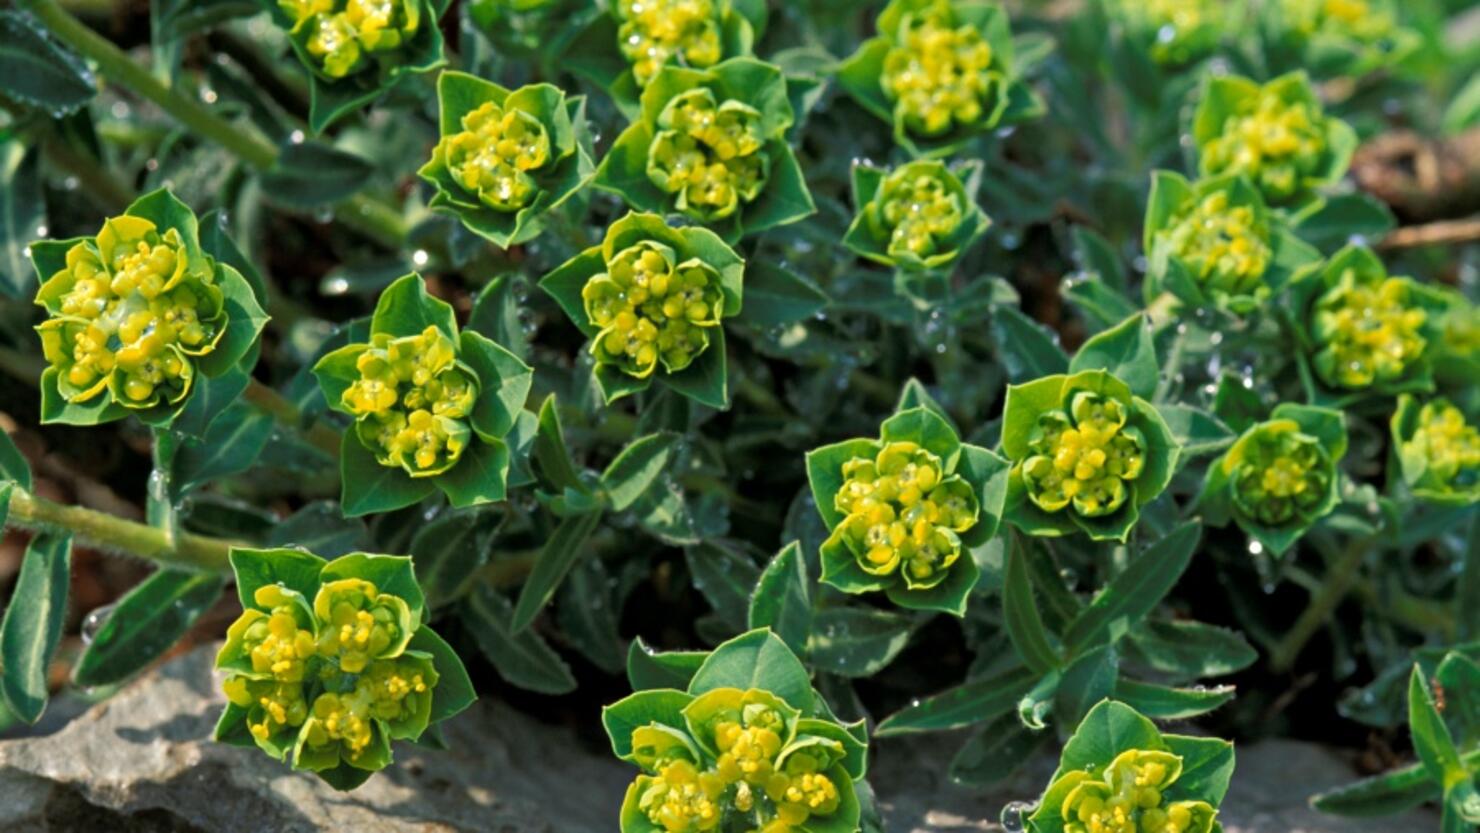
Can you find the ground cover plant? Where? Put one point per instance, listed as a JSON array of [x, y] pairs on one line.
[[747, 383]]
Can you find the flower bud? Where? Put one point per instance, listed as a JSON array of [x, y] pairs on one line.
[[1277, 143], [708, 154], [1367, 330], [651, 310], [939, 74], [1086, 458]]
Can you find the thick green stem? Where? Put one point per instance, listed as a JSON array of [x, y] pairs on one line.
[[377, 220], [1340, 578], [107, 532]]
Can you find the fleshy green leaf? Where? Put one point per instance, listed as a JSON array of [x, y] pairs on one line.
[[560, 552], [855, 641], [22, 208], [975, 701], [756, 659], [1020, 613], [32, 625], [1167, 703], [647, 668], [781, 599], [521, 659], [775, 295], [1126, 351], [145, 623], [636, 468], [1137, 590]]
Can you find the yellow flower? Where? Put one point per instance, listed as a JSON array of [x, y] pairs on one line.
[[495, 154], [1225, 247], [412, 401], [655, 32], [271, 706], [1274, 142], [1367, 329], [1358, 20], [1129, 799], [918, 209], [940, 75], [1086, 458], [708, 154], [1449, 444], [681, 799], [651, 310], [359, 624]]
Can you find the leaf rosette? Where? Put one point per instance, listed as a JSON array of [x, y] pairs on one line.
[[1438, 450], [431, 406], [1280, 477], [1214, 244], [1277, 134], [718, 757], [356, 50], [1176, 33], [905, 510], [1086, 455], [329, 662], [1330, 39], [651, 298], [920, 216], [1363, 332], [136, 315], [941, 72], [1118, 772], [506, 159], [711, 145]]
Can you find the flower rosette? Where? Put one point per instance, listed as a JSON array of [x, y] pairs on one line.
[[1086, 454], [904, 511], [1438, 450], [1176, 33], [652, 298], [1118, 772], [1280, 477], [1276, 134], [329, 662], [506, 158], [356, 50], [1362, 332], [1331, 38], [1213, 244], [625, 50], [920, 216], [136, 315], [941, 72], [759, 753], [711, 145], [431, 406]]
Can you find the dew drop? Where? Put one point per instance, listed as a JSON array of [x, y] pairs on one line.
[[94, 621]]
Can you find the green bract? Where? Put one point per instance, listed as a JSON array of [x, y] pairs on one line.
[[767, 756], [1438, 450], [1086, 454], [1281, 476], [1275, 134], [905, 510], [626, 50], [711, 145], [355, 50], [921, 215], [135, 314], [1176, 33], [329, 662], [431, 406], [506, 159], [651, 298], [940, 71], [1336, 37], [1119, 774], [1213, 243], [1362, 331]]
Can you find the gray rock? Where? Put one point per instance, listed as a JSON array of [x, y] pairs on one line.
[[142, 762]]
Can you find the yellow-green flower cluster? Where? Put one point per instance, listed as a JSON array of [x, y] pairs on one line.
[[1085, 457], [1179, 31], [1357, 20], [1368, 330], [321, 676], [496, 155], [343, 36], [1128, 798], [919, 209], [902, 514], [733, 763], [709, 154], [412, 400], [1449, 446], [652, 308], [1282, 475], [1225, 247], [938, 73], [654, 32], [1277, 142], [128, 313]]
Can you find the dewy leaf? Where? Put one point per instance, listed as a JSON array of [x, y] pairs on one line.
[[1126, 351], [1386, 794], [13, 466], [1189, 650], [727, 578], [775, 295], [781, 600], [855, 641], [523, 659], [995, 752], [552, 463], [1136, 591], [32, 626], [974, 701], [231, 445], [22, 215], [1026, 348], [647, 668], [1167, 703], [636, 467], [39, 72], [145, 623], [587, 613], [309, 174], [756, 659], [449, 551], [564, 546], [1020, 613], [1431, 738]]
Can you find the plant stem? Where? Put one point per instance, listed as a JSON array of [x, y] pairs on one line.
[[372, 218], [274, 404], [107, 532], [1339, 580]]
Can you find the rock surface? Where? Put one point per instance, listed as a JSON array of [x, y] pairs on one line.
[[142, 762]]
